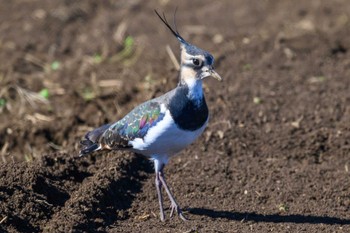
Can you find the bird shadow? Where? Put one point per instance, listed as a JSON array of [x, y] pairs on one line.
[[271, 218]]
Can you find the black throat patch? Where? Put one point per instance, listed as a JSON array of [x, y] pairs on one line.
[[188, 114]]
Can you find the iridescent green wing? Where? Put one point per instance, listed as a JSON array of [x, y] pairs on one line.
[[134, 125]]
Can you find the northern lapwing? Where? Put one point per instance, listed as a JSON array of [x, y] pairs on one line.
[[161, 127]]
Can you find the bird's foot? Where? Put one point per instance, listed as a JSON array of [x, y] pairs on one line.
[[175, 207], [161, 215]]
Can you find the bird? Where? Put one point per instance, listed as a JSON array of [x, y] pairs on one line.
[[161, 127]]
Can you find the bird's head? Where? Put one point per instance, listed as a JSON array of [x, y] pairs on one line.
[[196, 64]]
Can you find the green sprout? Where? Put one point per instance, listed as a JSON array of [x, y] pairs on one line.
[[129, 54], [88, 94], [97, 58], [128, 50], [247, 67], [283, 207], [321, 78], [129, 42], [28, 158], [44, 93], [128, 47], [2, 102], [317, 79], [55, 65]]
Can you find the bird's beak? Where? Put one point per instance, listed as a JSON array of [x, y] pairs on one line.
[[215, 75], [210, 72]]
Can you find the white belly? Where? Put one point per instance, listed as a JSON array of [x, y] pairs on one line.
[[165, 138]]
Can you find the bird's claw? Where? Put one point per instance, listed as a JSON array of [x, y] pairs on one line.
[[176, 207]]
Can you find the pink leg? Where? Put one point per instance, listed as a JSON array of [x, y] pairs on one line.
[[160, 197], [174, 205]]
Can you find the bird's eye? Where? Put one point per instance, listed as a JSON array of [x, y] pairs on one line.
[[196, 62]]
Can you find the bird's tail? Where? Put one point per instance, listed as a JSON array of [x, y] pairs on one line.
[[91, 142]]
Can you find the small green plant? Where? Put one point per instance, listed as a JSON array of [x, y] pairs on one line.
[[44, 93], [127, 51], [2, 102], [97, 58], [129, 43], [283, 207], [29, 158], [55, 65], [317, 79], [128, 47], [88, 94], [247, 67]]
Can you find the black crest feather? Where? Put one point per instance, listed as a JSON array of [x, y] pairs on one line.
[[174, 31]]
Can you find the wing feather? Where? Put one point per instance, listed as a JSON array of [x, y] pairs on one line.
[[134, 125]]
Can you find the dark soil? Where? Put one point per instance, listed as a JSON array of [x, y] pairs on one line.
[[274, 158]]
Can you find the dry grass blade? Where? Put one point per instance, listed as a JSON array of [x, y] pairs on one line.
[[119, 35], [110, 83], [3, 219], [196, 29], [39, 117], [36, 61], [172, 57], [4, 151], [32, 98]]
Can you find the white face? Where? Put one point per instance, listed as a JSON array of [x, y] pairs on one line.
[[196, 67]]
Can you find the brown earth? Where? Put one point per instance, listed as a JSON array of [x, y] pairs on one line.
[[274, 157]]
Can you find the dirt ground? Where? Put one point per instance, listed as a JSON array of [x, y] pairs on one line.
[[274, 158]]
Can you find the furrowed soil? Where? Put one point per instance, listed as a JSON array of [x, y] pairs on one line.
[[274, 157]]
